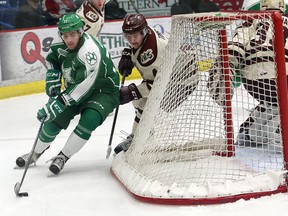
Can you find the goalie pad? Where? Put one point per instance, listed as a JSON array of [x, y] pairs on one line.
[[261, 127], [216, 83]]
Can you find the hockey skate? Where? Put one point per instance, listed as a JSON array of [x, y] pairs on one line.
[[58, 163], [275, 141], [243, 138], [22, 160], [124, 145]]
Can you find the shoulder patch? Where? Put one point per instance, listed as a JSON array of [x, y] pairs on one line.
[[148, 53], [91, 16], [90, 13]]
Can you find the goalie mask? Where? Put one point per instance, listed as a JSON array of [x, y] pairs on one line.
[[272, 5]]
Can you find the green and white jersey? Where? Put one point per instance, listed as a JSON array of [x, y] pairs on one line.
[[87, 69], [254, 5]]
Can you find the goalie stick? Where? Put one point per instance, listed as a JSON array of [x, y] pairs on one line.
[[18, 185], [109, 149]]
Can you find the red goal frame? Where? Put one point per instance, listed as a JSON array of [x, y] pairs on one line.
[[283, 101]]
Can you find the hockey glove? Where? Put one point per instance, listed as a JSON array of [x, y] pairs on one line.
[[51, 110], [53, 83], [129, 93], [125, 63]]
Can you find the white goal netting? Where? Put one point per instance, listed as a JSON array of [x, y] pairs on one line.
[[189, 147]]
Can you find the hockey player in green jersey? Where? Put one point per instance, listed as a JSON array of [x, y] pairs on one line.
[[91, 89]]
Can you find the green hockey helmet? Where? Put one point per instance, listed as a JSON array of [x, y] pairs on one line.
[[70, 22]]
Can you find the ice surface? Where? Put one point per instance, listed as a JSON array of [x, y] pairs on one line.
[[85, 186]]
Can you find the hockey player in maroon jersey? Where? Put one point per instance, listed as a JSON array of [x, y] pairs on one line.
[[147, 49], [91, 13], [262, 125]]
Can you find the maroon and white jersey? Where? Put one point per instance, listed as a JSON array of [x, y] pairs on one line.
[[148, 57], [252, 48], [93, 19]]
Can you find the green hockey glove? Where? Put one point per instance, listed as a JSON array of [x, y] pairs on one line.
[[50, 110], [53, 83]]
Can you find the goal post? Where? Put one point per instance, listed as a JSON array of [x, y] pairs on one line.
[[185, 149]]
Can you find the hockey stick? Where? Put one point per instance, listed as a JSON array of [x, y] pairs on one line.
[[134, 6], [19, 184], [109, 149]]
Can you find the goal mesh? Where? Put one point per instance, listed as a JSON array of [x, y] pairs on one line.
[[185, 150]]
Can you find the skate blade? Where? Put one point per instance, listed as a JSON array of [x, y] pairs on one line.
[[50, 174], [18, 168], [21, 168]]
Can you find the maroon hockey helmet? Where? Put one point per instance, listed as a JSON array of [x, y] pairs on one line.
[[134, 23]]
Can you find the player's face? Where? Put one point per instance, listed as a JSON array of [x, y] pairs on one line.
[[98, 4], [135, 40], [71, 39]]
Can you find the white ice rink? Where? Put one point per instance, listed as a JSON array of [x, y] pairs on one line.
[[85, 186]]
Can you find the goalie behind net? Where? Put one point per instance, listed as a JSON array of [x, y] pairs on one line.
[[189, 147]]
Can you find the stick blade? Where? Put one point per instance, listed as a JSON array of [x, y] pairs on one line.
[[108, 152], [17, 190]]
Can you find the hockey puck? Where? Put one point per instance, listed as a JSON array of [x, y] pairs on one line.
[[20, 162]]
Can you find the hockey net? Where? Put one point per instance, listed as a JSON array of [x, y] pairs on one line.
[[185, 149]]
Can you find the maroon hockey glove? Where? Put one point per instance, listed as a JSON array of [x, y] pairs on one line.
[[129, 93], [125, 63]]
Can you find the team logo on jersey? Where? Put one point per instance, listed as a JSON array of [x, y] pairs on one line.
[[91, 58], [67, 75], [61, 52], [91, 16], [146, 56]]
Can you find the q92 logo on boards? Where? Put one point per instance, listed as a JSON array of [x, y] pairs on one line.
[[31, 48]]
